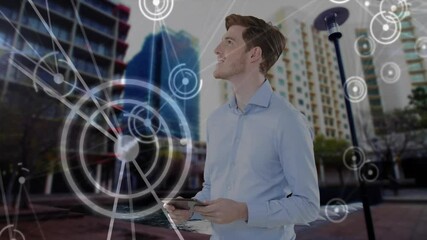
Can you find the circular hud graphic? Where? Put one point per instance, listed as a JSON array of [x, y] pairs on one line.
[[156, 10], [143, 154]]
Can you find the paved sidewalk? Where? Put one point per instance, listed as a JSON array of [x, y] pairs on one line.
[[392, 221]]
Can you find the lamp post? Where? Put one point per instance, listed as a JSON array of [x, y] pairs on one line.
[[330, 20]]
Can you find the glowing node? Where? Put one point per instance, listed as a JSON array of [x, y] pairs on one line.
[[336, 210], [364, 46], [160, 11], [126, 148], [393, 8], [369, 172], [367, 3], [147, 123], [355, 89], [183, 141], [355, 160], [21, 180], [185, 81], [58, 78], [421, 47], [390, 72], [386, 27]]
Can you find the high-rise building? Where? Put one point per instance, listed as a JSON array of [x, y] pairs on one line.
[[169, 61], [307, 75], [392, 70], [370, 76], [39, 36]]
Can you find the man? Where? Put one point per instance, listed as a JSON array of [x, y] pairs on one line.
[[260, 175]]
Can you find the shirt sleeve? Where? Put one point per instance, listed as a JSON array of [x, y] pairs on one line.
[[205, 193], [294, 144]]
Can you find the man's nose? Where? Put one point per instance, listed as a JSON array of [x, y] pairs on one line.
[[217, 49]]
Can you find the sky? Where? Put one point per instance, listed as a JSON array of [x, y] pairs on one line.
[[204, 19]]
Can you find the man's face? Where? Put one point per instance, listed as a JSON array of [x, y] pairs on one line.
[[231, 54]]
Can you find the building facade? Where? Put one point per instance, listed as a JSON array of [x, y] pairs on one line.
[[42, 38]]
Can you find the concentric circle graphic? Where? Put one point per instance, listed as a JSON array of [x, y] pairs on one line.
[[364, 46], [126, 149], [383, 30], [141, 123], [421, 47], [15, 233], [369, 172], [393, 10], [390, 72], [353, 158], [336, 210], [155, 10], [183, 82], [47, 69], [355, 89]]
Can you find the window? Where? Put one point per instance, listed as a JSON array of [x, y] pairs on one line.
[[281, 81], [297, 77], [301, 102], [299, 89]]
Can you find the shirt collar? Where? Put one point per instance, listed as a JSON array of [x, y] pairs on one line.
[[261, 97]]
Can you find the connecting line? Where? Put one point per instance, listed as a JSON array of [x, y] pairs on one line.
[[98, 73], [19, 33], [130, 201], [34, 213], [18, 203], [178, 233], [71, 64], [119, 184], [65, 102], [50, 25], [6, 211], [152, 60], [215, 31]]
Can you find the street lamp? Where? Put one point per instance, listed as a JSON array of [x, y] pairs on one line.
[[330, 20]]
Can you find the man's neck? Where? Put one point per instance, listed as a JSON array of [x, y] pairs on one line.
[[245, 88]]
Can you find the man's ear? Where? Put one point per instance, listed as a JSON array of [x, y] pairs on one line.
[[256, 54]]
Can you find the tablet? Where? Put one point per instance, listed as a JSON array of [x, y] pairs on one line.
[[183, 203]]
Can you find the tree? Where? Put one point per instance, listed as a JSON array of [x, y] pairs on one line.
[[418, 103], [330, 151]]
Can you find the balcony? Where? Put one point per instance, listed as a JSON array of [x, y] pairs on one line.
[[93, 24], [9, 13], [35, 24], [58, 9], [98, 48], [104, 6]]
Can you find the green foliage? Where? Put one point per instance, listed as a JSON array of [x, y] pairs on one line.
[[330, 150], [418, 104]]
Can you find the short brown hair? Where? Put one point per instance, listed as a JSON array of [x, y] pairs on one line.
[[258, 33]]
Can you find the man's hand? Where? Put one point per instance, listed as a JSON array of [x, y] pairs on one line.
[[222, 211], [178, 216]]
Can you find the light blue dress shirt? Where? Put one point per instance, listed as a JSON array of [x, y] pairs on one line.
[[264, 157]]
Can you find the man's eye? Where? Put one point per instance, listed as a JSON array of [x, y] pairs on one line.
[[229, 42]]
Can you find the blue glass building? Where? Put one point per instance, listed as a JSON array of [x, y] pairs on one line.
[[168, 59]]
